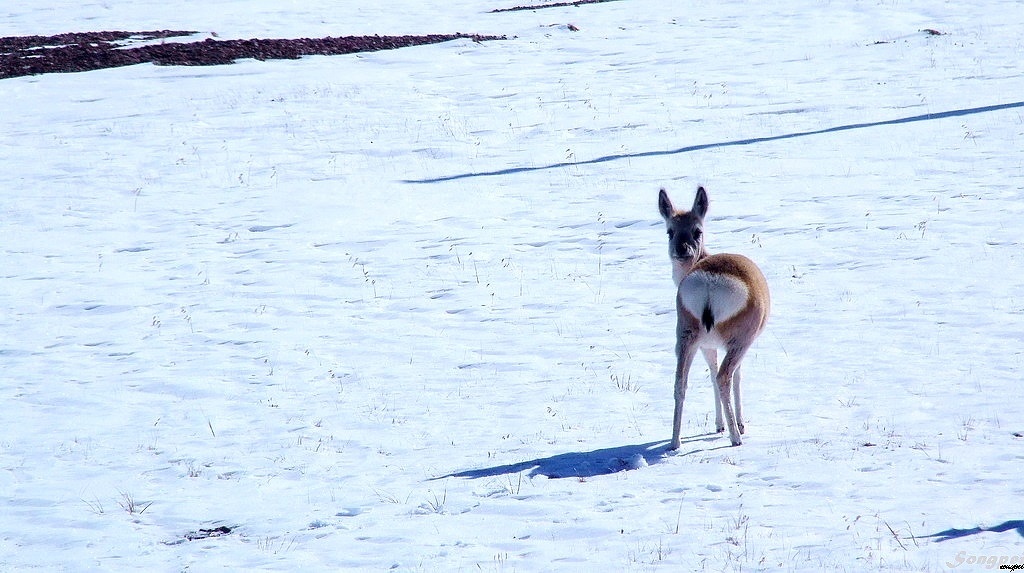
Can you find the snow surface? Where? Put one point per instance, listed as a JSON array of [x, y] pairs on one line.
[[413, 310]]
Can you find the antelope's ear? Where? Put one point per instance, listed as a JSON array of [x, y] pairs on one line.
[[665, 205], [700, 203]]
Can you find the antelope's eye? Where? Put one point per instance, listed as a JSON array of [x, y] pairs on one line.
[[696, 234], [671, 234]]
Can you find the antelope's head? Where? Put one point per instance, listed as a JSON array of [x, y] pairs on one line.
[[685, 232]]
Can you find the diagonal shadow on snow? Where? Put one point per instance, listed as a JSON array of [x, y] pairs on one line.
[[751, 141], [587, 464], [1011, 525]]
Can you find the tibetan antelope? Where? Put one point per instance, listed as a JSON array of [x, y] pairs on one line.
[[722, 303]]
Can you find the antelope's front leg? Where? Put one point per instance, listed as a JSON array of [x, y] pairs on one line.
[[711, 357]]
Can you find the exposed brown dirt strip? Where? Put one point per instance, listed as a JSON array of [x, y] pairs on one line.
[[80, 52], [554, 5]]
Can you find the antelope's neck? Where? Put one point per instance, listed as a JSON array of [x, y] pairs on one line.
[[682, 268]]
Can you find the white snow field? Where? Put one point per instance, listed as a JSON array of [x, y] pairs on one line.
[[412, 310]]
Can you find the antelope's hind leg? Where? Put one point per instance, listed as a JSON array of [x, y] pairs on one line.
[[730, 366], [737, 400], [685, 351]]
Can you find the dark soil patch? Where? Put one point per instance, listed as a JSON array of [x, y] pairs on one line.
[[554, 5], [208, 533], [201, 534], [80, 52]]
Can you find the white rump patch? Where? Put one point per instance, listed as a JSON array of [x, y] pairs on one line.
[[724, 294]]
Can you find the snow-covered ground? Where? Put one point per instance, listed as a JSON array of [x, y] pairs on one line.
[[412, 310]]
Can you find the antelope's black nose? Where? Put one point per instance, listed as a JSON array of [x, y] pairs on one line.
[[683, 251]]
